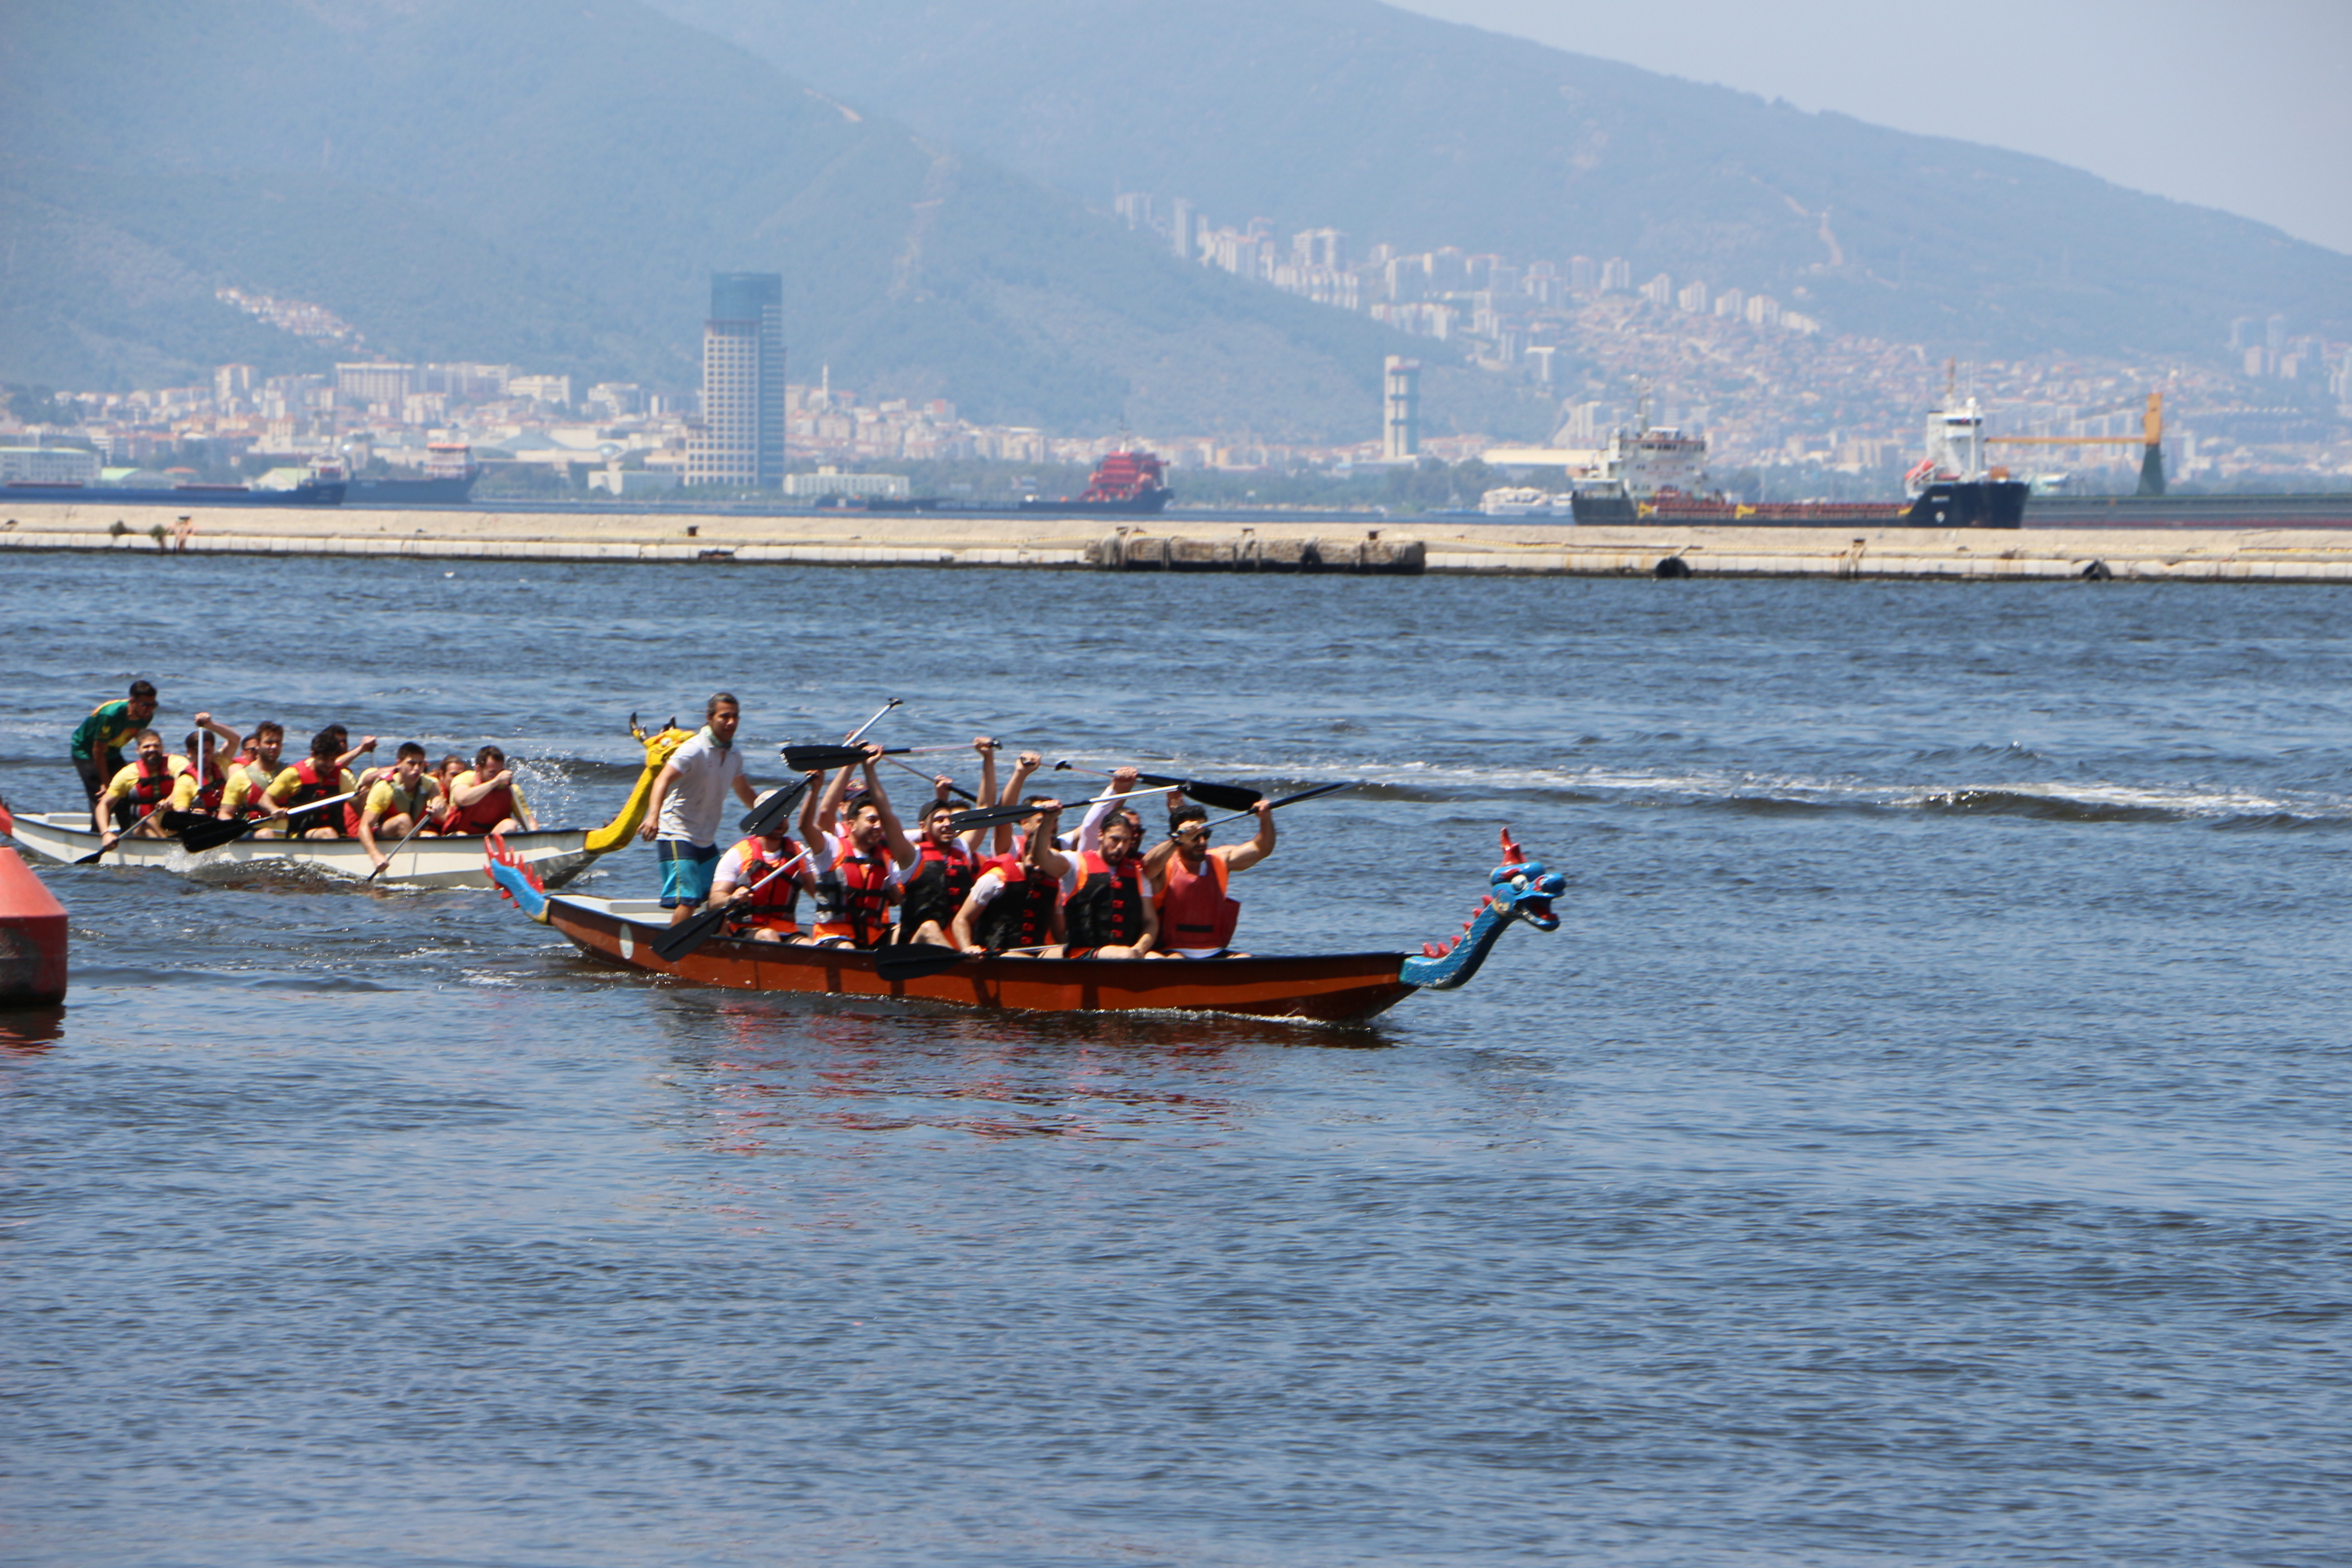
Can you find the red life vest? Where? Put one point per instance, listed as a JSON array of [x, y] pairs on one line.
[[209, 787], [1106, 910], [484, 814], [1194, 912], [1021, 914], [315, 781], [775, 907], [154, 786], [853, 898], [934, 888]]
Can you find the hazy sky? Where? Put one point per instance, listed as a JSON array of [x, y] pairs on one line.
[[2245, 106]]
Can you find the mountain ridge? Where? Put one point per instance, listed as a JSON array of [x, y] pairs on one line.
[[1421, 132]]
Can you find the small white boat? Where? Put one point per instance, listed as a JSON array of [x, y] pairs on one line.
[[558, 854]]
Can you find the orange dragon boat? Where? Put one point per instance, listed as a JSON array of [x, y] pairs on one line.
[[1342, 987]]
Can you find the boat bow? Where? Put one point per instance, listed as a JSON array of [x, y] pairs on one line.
[[659, 748], [1521, 891]]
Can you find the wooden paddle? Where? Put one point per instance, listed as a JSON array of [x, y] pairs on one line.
[[769, 811], [696, 929], [212, 833], [965, 821], [915, 960], [1225, 797]]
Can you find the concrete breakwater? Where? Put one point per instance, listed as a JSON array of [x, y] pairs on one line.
[[1173, 543]]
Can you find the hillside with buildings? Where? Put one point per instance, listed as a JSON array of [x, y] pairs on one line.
[[1409, 135], [547, 185]]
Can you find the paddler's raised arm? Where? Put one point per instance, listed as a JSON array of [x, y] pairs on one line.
[[828, 811], [892, 834]]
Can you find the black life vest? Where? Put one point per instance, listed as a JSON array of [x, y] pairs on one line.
[[935, 888], [1107, 911], [1021, 914], [853, 899]]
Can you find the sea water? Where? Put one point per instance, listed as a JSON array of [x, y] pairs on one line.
[[1925, 1138]]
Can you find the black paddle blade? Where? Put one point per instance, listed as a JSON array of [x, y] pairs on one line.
[[210, 832], [773, 809], [824, 759], [965, 821], [689, 933], [1225, 797], [918, 959]]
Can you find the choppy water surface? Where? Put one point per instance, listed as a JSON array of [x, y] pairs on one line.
[[1925, 1141]]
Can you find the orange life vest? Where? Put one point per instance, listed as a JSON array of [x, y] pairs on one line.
[[853, 898], [775, 907], [1194, 912]]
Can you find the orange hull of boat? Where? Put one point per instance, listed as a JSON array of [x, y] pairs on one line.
[[1329, 988]]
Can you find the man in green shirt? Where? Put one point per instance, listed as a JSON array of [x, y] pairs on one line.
[[97, 740]]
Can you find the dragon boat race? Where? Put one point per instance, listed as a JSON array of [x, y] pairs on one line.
[[569, 1063]]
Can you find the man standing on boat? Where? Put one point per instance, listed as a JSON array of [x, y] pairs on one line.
[[689, 797], [97, 747], [1197, 916]]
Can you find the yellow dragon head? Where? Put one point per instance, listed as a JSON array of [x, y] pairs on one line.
[[659, 747]]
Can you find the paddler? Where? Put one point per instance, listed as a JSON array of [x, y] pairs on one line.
[[682, 815], [204, 762], [942, 864], [319, 776], [484, 799], [97, 744], [1109, 904], [253, 772], [769, 912], [860, 850], [1017, 901], [1196, 914], [153, 779], [402, 796]]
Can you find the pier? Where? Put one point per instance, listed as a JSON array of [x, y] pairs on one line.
[[1173, 542]]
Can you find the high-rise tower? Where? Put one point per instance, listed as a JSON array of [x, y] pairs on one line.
[[741, 439], [1401, 413]]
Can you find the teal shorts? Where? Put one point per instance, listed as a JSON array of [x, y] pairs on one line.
[[686, 870]]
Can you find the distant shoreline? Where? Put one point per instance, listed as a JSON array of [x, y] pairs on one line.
[[1437, 546]]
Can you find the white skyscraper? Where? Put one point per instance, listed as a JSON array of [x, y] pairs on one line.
[[740, 441]]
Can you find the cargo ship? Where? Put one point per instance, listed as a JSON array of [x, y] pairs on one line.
[[1124, 482], [448, 480], [1653, 475], [310, 493]]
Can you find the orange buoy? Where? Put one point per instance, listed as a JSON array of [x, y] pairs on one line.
[[32, 938]]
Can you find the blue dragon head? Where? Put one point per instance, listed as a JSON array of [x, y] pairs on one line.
[[1522, 890]]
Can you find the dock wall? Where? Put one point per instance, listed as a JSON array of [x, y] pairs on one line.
[[1173, 543]]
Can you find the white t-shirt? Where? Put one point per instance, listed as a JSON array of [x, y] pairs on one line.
[[696, 801]]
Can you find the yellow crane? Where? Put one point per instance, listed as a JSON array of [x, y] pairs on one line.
[[2150, 440]]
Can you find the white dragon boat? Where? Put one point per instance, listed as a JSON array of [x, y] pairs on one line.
[[555, 854]]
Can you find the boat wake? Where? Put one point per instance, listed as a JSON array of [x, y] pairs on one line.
[[1764, 794]]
